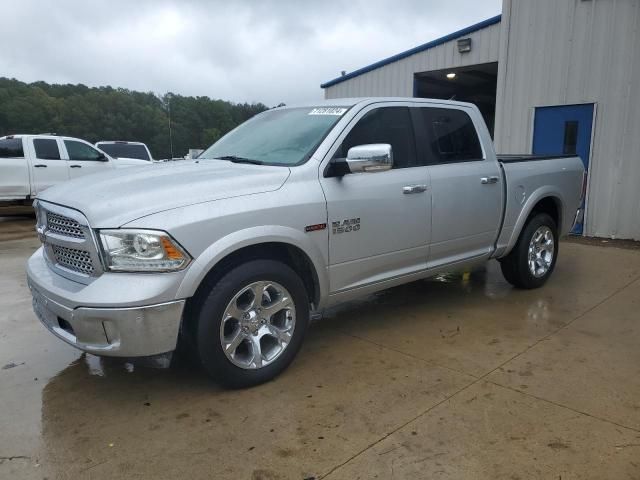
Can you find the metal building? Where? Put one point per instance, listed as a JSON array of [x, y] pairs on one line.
[[550, 76]]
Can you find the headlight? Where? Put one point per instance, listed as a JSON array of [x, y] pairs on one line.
[[142, 251]]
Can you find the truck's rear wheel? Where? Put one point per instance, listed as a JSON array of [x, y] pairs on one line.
[[251, 324], [533, 258]]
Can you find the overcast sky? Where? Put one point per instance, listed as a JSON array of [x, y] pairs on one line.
[[270, 51]]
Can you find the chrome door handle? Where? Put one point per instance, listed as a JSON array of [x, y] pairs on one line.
[[488, 180], [40, 166], [76, 166], [413, 189]]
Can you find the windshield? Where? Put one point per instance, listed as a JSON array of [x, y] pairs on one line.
[[277, 137], [125, 150]]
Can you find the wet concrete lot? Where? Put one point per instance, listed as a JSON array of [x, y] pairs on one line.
[[458, 377]]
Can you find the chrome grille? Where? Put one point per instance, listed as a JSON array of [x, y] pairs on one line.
[[64, 226], [73, 259], [68, 243]]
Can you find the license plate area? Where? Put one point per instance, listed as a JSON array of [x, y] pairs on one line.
[[41, 308]]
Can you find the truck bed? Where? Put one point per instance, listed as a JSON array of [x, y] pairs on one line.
[[531, 177]]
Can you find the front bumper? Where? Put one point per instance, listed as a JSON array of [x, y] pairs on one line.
[[119, 331]]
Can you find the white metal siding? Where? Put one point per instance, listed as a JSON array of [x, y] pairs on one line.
[[396, 79], [560, 52]]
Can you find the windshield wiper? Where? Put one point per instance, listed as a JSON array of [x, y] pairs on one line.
[[236, 159]]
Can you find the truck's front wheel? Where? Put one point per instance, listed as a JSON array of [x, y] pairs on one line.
[[533, 258], [251, 324]]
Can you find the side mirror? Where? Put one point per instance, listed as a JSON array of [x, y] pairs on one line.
[[375, 157], [103, 158]]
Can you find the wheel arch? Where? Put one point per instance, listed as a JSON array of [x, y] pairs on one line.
[[544, 200], [287, 245], [550, 205]]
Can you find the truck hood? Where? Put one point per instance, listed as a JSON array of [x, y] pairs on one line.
[[119, 196]]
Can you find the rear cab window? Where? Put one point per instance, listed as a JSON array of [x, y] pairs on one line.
[[125, 150], [11, 148], [46, 149], [446, 135]]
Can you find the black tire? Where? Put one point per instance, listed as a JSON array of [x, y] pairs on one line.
[[209, 312], [515, 266]]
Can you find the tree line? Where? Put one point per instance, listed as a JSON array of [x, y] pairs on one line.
[[107, 113]]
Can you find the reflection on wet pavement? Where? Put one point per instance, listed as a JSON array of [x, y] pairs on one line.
[[99, 366], [459, 376]]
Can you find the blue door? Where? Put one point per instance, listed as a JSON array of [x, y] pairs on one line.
[[564, 130]]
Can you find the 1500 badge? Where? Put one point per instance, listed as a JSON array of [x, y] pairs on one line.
[[346, 226]]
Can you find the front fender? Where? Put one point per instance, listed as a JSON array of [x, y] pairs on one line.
[[248, 237]]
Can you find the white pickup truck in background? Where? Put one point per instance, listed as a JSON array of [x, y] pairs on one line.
[[31, 163], [122, 150]]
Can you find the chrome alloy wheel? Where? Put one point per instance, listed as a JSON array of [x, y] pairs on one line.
[[541, 250], [257, 325]]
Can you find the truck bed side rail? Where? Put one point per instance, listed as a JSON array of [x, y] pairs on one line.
[[513, 158]]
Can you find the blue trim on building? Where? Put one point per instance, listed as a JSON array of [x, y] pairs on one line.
[[419, 48]]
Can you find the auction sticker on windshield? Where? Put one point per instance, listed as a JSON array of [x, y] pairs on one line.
[[328, 111]]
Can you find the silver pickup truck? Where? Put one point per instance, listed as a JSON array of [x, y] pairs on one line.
[[297, 209]]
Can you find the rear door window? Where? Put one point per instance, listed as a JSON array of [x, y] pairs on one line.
[[448, 135], [81, 151], [11, 148], [390, 125], [125, 150], [46, 148]]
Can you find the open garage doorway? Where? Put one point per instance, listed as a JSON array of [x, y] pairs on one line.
[[473, 83]]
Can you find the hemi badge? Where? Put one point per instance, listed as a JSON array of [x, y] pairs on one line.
[[313, 228]]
